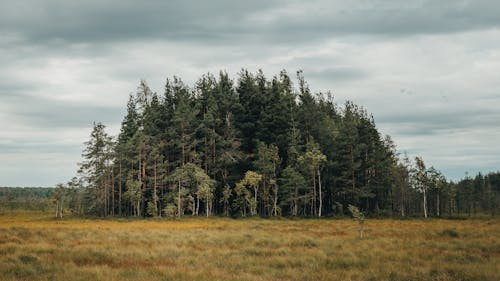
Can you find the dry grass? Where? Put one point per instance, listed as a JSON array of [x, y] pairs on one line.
[[35, 247]]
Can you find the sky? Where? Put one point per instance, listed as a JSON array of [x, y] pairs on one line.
[[427, 70]]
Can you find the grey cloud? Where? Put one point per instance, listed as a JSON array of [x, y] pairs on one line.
[[237, 22], [16, 147], [94, 21], [390, 18], [42, 112], [437, 122], [336, 74]]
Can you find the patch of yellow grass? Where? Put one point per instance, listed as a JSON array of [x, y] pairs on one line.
[[36, 247]]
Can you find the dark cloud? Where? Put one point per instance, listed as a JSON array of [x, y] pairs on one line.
[[236, 22], [96, 21]]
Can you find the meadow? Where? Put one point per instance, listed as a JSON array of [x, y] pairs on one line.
[[34, 246]]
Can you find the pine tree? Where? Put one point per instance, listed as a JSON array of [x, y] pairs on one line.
[[95, 167], [293, 188]]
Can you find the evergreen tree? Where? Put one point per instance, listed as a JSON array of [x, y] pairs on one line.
[[194, 150], [95, 168]]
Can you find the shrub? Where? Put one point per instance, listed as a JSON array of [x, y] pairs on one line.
[[450, 233]]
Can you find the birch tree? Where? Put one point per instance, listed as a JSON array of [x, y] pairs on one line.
[[58, 200], [311, 161], [421, 181]]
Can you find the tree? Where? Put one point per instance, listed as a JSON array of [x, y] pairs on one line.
[[251, 180], [205, 190], [360, 217], [58, 200], [226, 196], [156, 158], [134, 194], [437, 183], [421, 180], [313, 156], [184, 117], [311, 161], [293, 187], [402, 184], [191, 180], [95, 168], [267, 164], [75, 196]]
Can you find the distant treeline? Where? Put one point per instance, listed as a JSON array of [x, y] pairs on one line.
[[258, 147], [26, 198]]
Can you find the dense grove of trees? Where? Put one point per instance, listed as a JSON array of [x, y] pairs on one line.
[[258, 147]]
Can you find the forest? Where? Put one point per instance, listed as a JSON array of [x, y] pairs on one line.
[[258, 146]]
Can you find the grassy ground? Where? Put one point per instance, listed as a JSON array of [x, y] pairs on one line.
[[36, 247]]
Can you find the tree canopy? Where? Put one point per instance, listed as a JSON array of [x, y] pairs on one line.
[[263, 147]]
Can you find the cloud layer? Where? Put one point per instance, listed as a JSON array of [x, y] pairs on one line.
[[427, 70]]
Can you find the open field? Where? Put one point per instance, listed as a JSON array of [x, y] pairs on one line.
[[36, 247]]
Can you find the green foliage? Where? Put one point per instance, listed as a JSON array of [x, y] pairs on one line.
[[134, 194], [152, 209], [170, 211], [360, 217], [26, 198], [356, 213], [190, 147], [244, 189], [293, 187]]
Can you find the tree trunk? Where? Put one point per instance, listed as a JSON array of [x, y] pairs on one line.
[[275, 203], [255, 205], [179, 200], [155, 201], [144, 179], [320, 198], [425, 204], [197, 205], [182, 144], [403, 190], [112, 192], [59, 207], [206, 207], [106, 196], [138, 211], [139, 175], [295, 201], [450, 206], [244, 207], [352, 172], [313, 201], [437, 204], [120, 191]]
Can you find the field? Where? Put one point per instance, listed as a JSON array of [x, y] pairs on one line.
[[33, 246]]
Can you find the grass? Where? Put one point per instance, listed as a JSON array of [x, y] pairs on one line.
[[33, 246]]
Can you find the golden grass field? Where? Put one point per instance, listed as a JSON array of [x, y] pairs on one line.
[[33, 246]]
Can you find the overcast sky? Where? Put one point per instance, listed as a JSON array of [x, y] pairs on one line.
[[429, 71]]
